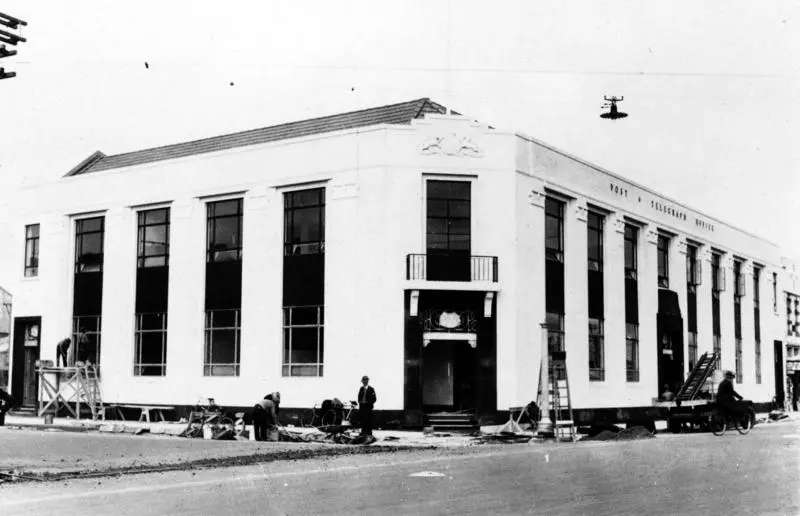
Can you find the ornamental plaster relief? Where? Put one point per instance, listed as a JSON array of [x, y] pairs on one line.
[[536, 198], [652, 236], [581, 213], [619, 224], [451, 145]]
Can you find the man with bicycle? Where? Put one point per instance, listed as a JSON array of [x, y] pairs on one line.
[[727, 397]]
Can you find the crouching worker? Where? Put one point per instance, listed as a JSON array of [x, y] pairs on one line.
[[265, 418]]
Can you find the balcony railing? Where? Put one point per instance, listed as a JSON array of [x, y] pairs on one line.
[[451, 266]]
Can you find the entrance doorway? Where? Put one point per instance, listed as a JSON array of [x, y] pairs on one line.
[[449, 380], [670, 342], [26, 352]]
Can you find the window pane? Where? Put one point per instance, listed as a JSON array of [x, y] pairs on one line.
[[223, 318], [304, 345], [305, 370], [156, 261], [156, 216], [307, 225], [304, 315], [221, 208], [223, 347], [459, 209], [437, 227], [304, 198], [87, 225], [152, 348], [459, 226], [155, 240], [449, 190], [437, 208]]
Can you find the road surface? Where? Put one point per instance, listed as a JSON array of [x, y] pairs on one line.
[[670, 474]]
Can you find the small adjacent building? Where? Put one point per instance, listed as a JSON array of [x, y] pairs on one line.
[[432, 252]]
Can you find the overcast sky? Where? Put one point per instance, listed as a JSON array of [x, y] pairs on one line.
[[712, 88]]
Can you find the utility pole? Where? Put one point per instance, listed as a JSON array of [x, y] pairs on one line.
[[9, 38]]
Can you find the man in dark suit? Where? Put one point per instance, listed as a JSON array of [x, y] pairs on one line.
[[727, 396], [366, 401]]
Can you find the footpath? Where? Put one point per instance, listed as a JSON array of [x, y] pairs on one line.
[[68, 448]]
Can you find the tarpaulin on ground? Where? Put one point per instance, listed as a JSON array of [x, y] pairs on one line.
[[324, 437]]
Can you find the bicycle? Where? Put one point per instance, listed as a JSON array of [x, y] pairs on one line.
[[329, 414], [209, 416], [718, 423]]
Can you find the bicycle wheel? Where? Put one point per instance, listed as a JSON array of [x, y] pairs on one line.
[[744, 424], [225, 422], [308, 418], [717, 423], [329, 418]]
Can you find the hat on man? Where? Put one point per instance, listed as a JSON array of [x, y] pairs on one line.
[[729, 374], [365, 378]]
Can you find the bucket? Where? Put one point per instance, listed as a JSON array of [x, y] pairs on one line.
[[48, 419]]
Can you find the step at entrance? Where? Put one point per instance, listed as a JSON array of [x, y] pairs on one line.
[[452, 421]]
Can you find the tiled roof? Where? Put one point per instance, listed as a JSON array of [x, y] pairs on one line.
[[397, 114]]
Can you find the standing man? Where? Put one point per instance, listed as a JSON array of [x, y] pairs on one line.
[[366, 401], [265, 419], [62, 348]]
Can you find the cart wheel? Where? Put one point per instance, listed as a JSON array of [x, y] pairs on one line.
[[308, 418], [329, 418]]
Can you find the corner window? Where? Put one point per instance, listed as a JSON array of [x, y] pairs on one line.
[[224, 231], [32, 251], [448, 215], [153, 250], [89, 245]]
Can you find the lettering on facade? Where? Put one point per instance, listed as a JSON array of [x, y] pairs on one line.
[[702, 224], [618, 190], [668, 210]]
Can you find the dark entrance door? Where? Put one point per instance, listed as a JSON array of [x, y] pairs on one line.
[[449, 380], [670, 342], [24, 386], [780, 393]]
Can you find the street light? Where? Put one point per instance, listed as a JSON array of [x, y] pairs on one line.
[[546, 424]]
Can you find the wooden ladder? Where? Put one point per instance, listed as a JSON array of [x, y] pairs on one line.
[[560, 402]]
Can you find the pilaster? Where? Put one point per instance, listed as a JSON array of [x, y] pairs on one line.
[[648, 308], [677, 283], [748, 329], [727, 329], [576, 304], [614, 301], [705, 321]]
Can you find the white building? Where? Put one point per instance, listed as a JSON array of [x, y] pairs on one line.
[[420, 248]]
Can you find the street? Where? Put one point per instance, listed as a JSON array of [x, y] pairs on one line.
[[671, 474]]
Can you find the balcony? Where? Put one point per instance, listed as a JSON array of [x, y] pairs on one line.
[[451, 266]]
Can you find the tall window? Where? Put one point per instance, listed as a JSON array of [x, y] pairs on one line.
[[303, 288], [150, 357], [153, 249], [32, 251], [631, 303], [663, 261], [554, 273], [738, 292], [223, 288], [89, 245], [775, 292], [304, 222], [223, 346], [757, 319], [303, 340], [448, 215], [224, 231], [596, 312], [152, 259], [693, 279], [717, 286]]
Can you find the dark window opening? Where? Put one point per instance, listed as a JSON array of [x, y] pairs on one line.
[[632, 352], [89, 244], [224, 231], [153, 238], [596, 351], [631, 243], [663, 261], [554, 229], [223, 343], [86, 333], [304, 222], [595, 241], [32, 251], [150, 356], [303, 340]]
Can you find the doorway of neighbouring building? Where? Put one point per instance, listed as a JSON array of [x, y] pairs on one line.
[[26, 352], [780, 393], [448, 375]]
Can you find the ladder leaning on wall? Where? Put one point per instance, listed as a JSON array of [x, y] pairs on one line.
[[560, 402]]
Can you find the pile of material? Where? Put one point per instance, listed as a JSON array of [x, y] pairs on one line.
[[327, 437], [636, 432]]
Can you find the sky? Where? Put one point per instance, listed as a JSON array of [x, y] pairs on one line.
[[712, 88]]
